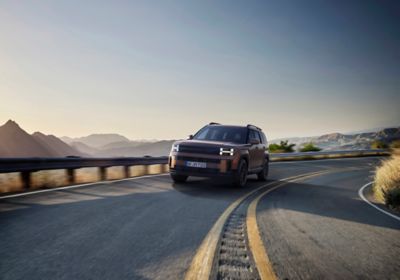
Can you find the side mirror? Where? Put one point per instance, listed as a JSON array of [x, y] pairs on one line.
[[254, 141], [190, 137]]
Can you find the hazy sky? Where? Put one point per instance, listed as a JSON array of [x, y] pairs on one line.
[[163, 69]]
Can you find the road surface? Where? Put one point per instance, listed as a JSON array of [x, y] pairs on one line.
[[149, 228]]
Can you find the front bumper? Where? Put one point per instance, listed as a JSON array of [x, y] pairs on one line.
[[199, 172], [217, 166]]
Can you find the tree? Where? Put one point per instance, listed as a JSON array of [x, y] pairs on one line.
[[378, 144], [283, 147], [309, 147]]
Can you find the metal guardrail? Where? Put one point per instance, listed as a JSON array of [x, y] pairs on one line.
[[28, 165], [327, 154], [8, 165]]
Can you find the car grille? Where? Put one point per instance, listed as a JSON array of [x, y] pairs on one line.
[[198, 159], [199, 149]]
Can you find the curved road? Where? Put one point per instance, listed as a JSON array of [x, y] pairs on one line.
[[149, 228]]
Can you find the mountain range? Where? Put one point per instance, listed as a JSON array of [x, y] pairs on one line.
[[339, 141], [16, 142]]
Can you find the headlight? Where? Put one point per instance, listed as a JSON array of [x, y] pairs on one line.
[[175, 148], [226, 151]]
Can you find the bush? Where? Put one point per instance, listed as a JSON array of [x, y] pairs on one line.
[[378, 144], [309, 147], [395, 144], [387, 182], [283, 147], [393, 198]]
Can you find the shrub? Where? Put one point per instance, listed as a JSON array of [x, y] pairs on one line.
[[309, 147], [378, 144], [387, 182], [395, 144], [283, 147]]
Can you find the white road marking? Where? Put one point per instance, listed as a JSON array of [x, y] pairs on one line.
[[81, 185], [323, 159], [360, 193]]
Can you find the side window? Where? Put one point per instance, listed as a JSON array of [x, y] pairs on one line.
[[253, 135], [264, 139], [259, 137]]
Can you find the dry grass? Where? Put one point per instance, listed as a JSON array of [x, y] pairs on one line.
[[387, 181], [10, 182], [87, 175]]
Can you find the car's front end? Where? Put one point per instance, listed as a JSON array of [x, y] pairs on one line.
[[203, 158]]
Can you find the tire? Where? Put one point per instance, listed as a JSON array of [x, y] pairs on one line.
[[240, 177], [179, 178], [263, 174]]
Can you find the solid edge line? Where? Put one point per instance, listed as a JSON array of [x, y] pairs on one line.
[[202, 262], [80, 185], [360, 194], [257, 248]]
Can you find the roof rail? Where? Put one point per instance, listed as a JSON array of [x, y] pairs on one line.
[[253, 126], [213, 123]]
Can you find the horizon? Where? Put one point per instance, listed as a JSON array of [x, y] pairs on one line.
[[157, 139], [162, 71]]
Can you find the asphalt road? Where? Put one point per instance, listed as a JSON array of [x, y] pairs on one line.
[[149, 228]]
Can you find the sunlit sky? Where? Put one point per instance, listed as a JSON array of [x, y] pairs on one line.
[[163, 69]]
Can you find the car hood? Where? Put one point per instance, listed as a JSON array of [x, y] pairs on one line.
[[207, 143]]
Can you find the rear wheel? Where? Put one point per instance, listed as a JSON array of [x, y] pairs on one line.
[[263, 174], [240, 178], [179, 178]]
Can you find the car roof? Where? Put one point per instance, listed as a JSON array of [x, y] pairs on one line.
[[236, 126]]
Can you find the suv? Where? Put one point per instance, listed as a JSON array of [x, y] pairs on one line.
[[223, 151]]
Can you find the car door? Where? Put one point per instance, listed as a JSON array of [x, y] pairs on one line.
[[261, 150], [254, 153]]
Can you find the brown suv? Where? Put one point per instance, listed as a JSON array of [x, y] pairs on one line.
[[221, 150]]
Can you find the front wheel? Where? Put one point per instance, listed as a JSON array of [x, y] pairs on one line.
[[240, 178], [263, 174], [179, 178]]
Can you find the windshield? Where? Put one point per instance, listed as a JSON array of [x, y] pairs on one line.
[[222, 134]]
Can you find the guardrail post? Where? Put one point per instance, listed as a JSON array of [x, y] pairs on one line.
[[103, 173], [146, 169], [71, 176], [26, 179], [127, 171]]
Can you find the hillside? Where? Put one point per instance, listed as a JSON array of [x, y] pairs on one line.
[[16, 142], [56, 147], [159, 148], [339, 141], [96, 140]]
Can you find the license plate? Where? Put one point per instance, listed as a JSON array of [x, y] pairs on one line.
[[196, 164]]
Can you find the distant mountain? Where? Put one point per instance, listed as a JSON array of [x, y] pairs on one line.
[[96, 140], [137, 149], [339, 141], [16, 142], [115, 145], [56, 147], [83, 148]]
